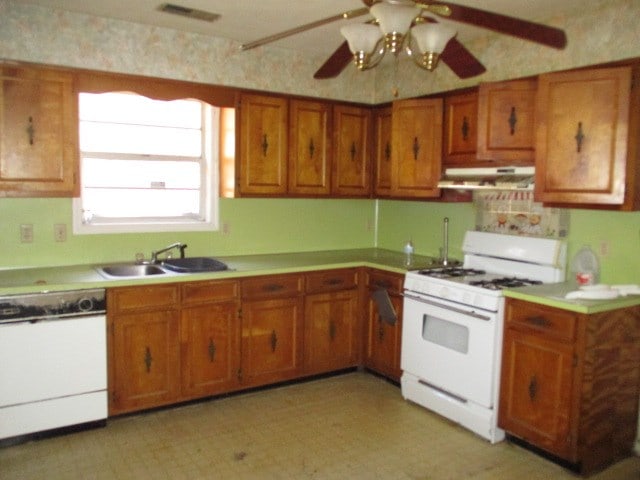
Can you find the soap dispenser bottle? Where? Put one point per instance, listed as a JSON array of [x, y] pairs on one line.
[[408, 253]]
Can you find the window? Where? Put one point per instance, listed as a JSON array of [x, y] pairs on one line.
[[146, 165]]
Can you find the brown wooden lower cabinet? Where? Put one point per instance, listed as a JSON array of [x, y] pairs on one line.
[[570, 382], [331, 340], [383, 339], [174, 342], [272, 316], [171, 342]]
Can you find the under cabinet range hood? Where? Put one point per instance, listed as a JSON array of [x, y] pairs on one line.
[[489, 178]]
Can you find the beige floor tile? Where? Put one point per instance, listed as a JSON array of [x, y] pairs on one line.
[[354, 426]]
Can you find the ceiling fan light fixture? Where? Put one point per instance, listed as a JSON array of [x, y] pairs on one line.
[[432, 37], [394, 21], [361, 37]]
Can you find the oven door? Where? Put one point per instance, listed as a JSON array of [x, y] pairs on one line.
[[450, 347]]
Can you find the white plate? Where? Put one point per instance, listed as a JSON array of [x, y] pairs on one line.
[[593, 294]]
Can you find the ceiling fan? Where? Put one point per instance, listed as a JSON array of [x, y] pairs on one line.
[[418, 15]]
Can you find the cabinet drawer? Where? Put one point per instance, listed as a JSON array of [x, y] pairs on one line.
[[330, 280], [392, 282], [140, 298], [546, 320], [213, 291], [272, 286]]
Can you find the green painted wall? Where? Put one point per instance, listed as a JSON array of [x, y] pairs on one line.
[[254, 226], [614, 236]]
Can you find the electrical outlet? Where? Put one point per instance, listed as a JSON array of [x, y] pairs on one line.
[[26, 233], [60, 232], [226, 228]]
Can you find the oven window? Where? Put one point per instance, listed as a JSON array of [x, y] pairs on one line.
[[446, 334]]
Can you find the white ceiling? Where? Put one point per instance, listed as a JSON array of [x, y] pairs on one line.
[[248, 20]]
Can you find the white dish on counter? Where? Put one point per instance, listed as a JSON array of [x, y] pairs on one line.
[[603, 292]]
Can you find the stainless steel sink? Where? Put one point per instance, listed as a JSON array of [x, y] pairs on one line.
[[131, 270], [194, 265]]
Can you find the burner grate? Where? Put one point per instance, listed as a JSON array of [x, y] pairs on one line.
[[451, 272], [504, 282]]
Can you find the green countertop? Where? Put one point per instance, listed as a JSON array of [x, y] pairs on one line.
[[552, 294], [43, 279]]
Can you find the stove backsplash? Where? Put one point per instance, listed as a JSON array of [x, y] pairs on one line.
[[515, 213]]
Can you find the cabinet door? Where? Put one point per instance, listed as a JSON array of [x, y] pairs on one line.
[[382, 174], [460, 128], [145, 364], [506, 122], [536, 391], [210, 353], [331, 341], [351, 163], [384, 340], [416, 147], [271, 340], [581, 142], [309, 147], [263, 145], [38, 133]]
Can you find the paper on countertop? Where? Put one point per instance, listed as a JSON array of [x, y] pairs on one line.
[[603, 292]]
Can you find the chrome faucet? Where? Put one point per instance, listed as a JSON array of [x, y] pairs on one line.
[[155, 253]]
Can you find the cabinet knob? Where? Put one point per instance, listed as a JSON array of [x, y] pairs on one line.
[[513, 119], [148, 359], [212, 350], [30, 130], [579, 137], [533, 388]]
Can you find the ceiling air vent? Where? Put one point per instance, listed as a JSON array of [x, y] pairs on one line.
[[188, 12]]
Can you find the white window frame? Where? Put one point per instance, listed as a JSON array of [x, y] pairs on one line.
[[209, 192]]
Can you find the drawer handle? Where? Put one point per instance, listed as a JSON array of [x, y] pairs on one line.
[[538, 321], [465, 128], [533, 388], [273, 287], [579, 137], [30, 130], [264, 145], [513, 119], [212, 350], [148, 359], [274, 341], [382, 284], [333, 281]]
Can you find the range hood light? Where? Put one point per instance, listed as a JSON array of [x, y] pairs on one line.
[[498, 178]]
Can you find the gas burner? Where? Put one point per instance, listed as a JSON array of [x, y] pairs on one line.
[[504, 282], [451, 272]]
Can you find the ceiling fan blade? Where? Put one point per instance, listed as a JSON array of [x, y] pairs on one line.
[[303, 28], [535, 32], [335, 63], [461, 61]]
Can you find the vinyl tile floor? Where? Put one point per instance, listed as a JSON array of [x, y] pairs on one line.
[[351, 426]]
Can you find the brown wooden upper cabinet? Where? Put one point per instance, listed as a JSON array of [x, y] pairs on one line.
[[586, 143], [262, 145], [506, 122], [416, 147], [351, 164], [460, 128], [382, 171], [310, 155], [38, 133]]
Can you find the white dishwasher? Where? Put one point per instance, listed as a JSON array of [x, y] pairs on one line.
[[53, 361]]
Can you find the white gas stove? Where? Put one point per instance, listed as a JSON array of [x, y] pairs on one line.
[[453, 322]]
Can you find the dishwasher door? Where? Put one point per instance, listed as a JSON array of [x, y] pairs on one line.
[[53, 373]]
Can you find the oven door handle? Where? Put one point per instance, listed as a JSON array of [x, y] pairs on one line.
[[448, 307]]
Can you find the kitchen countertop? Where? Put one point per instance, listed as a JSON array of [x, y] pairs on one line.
[[43, 279], [552, 294]]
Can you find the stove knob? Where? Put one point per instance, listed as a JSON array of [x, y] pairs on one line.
[[85, 304]]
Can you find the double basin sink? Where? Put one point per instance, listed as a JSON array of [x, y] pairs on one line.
[[169, 266]]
